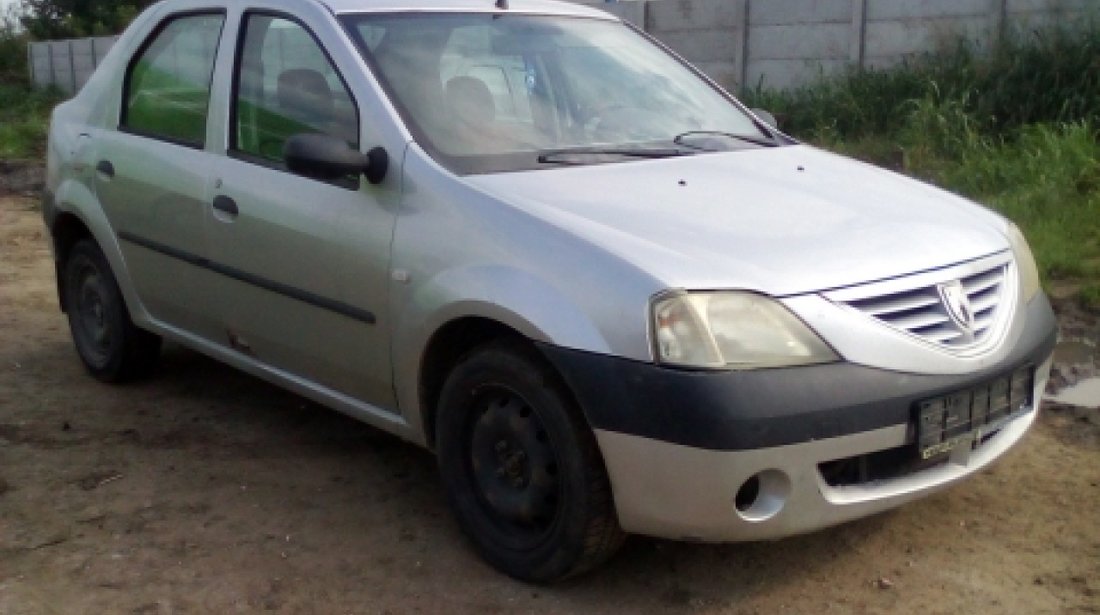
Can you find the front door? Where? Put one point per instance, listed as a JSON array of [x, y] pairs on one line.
[[305, 262]]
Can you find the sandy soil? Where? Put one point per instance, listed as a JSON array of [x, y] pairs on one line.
[[205, 490]]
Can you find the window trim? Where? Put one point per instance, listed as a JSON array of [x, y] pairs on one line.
[[232, 147], [127, 79]]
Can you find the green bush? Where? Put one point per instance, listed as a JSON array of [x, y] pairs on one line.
[[13, 58], [1047, 179], [24, 120], [1090, 297]]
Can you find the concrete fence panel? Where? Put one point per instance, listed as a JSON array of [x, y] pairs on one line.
[[1029, 15], [692, 15], [745, 43], [1048, 6], [787, 12], [67, 64], [40, 65], [61, 65], [889, 42], [908, 10], [83, 61]]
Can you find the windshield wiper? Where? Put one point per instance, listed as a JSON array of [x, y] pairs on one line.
[[682, 138], [563, 155]]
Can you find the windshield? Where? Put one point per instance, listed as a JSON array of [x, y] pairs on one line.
[[495, 92]]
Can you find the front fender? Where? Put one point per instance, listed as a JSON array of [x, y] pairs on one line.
[[509, 296]]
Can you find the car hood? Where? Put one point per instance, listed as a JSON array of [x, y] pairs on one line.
[[783, 221]]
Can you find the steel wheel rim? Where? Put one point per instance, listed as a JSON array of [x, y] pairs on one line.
[[90, 314], [514, 467]]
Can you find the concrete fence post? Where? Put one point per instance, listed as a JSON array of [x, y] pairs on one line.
[[72, 67], [998, 20], [857, 44], [741, 45], [53, 69]]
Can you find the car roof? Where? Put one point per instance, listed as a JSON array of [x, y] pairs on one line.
[[547, 7]]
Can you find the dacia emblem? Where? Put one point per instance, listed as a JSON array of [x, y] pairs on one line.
[[957, 303]]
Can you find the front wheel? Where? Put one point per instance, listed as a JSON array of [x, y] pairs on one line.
[[521, 467], [110, 346]]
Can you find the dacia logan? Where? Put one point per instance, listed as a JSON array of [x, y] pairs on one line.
[[524, 235]]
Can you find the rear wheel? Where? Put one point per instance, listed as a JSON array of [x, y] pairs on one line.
[[110, 346], [521, 467]]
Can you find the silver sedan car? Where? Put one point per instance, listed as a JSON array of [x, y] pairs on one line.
[[520, 233]]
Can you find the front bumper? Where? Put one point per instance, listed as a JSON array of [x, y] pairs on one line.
[[680, 445]]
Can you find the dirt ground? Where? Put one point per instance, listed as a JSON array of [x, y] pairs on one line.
[[205, 490]]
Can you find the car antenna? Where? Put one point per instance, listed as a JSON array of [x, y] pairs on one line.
[[502, 5]]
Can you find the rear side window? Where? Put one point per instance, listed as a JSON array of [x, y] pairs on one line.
[[286, 85], [167, 93]]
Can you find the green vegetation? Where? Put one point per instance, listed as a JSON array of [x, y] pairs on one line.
[[1017, 129], [24, 113], [24, 120], [53, 19]]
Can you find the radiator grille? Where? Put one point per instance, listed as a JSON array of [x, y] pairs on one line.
[[923, 311]]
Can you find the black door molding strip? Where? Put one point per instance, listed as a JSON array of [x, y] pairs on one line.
[[292, 292]]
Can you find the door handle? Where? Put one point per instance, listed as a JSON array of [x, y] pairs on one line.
[[226, 205], [105, 168]]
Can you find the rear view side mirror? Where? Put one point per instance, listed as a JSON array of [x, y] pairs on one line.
[[325, 157], [766, 117]]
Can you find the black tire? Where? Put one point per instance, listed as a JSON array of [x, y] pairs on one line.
[[521, 467], [110, 346]]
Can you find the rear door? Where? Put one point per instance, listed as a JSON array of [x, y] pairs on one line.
[[152, 174], [306, 261]]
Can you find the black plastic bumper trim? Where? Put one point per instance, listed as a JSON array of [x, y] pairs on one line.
[[743, 410]]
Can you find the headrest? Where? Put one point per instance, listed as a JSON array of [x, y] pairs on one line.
[[470, 100]]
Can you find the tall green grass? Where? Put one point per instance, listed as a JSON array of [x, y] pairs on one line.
[[1047, 179], [1017, 128], [24, 120]]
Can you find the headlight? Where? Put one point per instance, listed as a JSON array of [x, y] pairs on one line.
[[737, 330], [1025, 262]]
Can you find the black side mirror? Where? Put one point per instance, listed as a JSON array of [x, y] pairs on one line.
[[325, 157]]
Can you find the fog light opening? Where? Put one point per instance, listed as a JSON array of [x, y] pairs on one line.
[[762, 496], [747, 494]]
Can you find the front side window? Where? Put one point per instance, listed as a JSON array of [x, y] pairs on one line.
[[286, 85], [486, 92], [168, 83]]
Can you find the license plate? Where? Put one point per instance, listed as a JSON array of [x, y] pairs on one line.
[[955, 419]]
